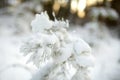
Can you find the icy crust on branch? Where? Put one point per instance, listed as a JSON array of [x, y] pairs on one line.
[[51, 40]]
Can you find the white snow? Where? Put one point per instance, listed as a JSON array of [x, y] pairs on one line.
[[105, 48], [52, 41], [104, 12], [13, 65], [41, 22]]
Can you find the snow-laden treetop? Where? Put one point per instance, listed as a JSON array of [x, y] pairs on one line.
[[42, 23], [51, 41]]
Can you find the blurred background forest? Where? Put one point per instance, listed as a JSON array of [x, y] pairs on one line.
[[76, 11], [95, 21]]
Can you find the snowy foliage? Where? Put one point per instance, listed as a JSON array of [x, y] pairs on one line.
[[51, 43], [105, 47], [104, 12]]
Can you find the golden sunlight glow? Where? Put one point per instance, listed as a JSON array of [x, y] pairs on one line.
[[91, 2], [56, 6], [63, 3], [81, 5], [74, 6], [100, 1], [81, 14]]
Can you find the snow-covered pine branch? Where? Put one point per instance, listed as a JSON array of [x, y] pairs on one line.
[[52, 43]]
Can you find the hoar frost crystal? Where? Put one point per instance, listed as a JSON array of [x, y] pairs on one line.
[[67, 57]]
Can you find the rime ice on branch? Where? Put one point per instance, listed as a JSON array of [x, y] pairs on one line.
[[51, 41]]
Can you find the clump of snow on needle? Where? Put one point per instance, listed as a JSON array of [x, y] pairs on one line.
[[41, 22], [52, 43]]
